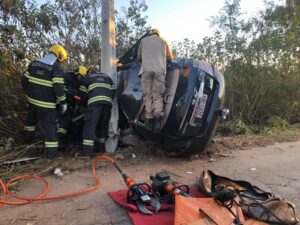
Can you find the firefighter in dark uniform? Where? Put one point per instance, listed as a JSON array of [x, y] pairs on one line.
[[72, 84], [97, 90], [43, 85]]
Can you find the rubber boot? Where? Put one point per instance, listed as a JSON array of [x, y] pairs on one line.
[[99, 147], [29, 137], [51, 153], [61, 136], [149, 124], [87, 151], [157, 126], [62, 142]]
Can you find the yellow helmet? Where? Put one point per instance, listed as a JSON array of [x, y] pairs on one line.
[[154, 31], [81, 70], [60, 52], [92, 69]]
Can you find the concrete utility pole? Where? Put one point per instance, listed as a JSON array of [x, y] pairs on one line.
[[108, 66]]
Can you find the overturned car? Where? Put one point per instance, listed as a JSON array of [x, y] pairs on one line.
[[193, 102]]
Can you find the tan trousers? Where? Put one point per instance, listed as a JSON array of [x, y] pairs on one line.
[[154, 87]]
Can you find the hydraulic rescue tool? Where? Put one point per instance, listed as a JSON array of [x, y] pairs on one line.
[[165, 189], [139, 194]]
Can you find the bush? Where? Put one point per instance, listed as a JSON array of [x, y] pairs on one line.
[[275, 124], [242, 129], [272, 125], [11, 94]]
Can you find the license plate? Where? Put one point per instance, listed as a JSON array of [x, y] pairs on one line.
[[199, 107]]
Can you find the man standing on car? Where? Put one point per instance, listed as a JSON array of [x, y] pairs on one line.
[[154, 53], [97, 90]]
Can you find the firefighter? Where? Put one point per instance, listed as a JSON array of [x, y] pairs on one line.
[[97, 91], [72, 84], [154, 53], [43, 85]]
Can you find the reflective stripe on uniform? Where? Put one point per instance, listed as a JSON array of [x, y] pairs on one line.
[[88, 142], [62, 130], [99, 98], [39, 81], [49, 105], [51, 144], [58, 80], [29, 128], [83, 89], [61, 98], [92, 86]]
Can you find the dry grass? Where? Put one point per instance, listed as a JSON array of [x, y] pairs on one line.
[[11, 148]]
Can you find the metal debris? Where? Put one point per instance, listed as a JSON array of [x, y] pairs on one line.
[[19, 160]]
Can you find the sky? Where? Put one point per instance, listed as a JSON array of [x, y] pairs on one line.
[[179, 19]]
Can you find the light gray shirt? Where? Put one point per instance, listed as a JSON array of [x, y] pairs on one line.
[[154, 52]]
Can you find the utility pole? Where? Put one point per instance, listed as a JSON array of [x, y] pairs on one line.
[[108, 66]]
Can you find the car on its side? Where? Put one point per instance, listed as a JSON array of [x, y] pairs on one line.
[[193, 102]]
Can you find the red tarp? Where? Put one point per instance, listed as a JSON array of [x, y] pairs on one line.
[[164, 217]]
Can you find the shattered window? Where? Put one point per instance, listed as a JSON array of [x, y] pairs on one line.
[[131, 55]]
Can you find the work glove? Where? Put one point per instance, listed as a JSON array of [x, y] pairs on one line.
[[77, 98], [63, 108]]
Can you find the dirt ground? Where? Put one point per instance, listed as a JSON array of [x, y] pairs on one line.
[[274, 168]]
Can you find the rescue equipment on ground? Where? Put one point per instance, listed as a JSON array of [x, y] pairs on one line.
[[139, 193], [165, 216], [230, 200], [166, 189], [42, 197], [255, 202], [205, 211]]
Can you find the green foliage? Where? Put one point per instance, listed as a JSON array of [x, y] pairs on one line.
[[259, 58], [131, 25], [185, 48], [28, 29], [275, 124], [11, 95], [271, 125], [241, 128]]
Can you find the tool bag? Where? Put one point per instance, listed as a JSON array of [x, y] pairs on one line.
[[255, 203], [203, 211]]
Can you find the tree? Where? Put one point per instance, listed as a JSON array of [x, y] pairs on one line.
[[75, 24], [131, 25], [184, 48], [259, 57], [29, 29]]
